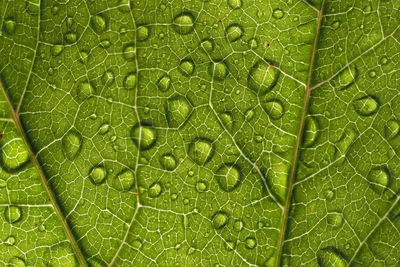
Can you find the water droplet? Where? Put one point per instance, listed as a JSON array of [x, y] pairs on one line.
[[274, 108], [124, 181], [164, 82], [335, 25], [379, 179], [123, 6], [56, 50], [253, 43], [234, 4], [185, 201], [147, 136], [331, 256], [343, 144], [9, 26], [201, 150], [183, 23], [85, 90], [218, 70], [208, 45], [187, 67], [367, 8], [3, 183], [366, 105], [70, 37], [177, 110], [108, 77], [13, 214], [262, 77], [238, 226], [136, 243], [219, 219], [143, 32], [335, 219], [190, 173], [98, 174], [103, 129], [129, 52], [10, 241], [130, 81], [174, 196], [372, 73], [229, 245], [69, 21], [14, 154], [105, 43], [42, 228], [16, 262], [201, 186], [168, 162], [392, 129], [249, 114], [250, 242], [155, 190], [278, 13], [329, 194], [384, 60], [228, 176], [234, 32], [98, 23], [310, 132], [258, 138], [347, 77], [227, 120]]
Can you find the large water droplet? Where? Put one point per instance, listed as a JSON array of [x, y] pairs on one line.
[[278, 13], [16, 262], [343, 144], [366, 105], [201, 150], [9, 26], [183, 23], [177, 110], [234, 4], [72, 143], [124, 181], [331, 257], [129, 52], [143, 32], [310, 131], [14, 154], [274, 108], [155, 190], [187, 67], [201, 186], [108, 77], [98, 174], [218, 70], [234, 32], [13, 214], [227, 120], [262, 77], [98, 23], [250, 242], [56, 50], [164, 82], [147, 137], [220, 219], [347, 77], [71, 37], [392, 129], [379, 179], [228, 176], [85, 90], [168, 162], [335, 219], [130, 81]]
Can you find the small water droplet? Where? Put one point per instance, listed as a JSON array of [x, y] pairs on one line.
[[201, 150], [55, 9], [124, 181], [262, 77], [56, 50], [367, 8], [98, 174], [14, 154], [130, 81], [143, 32], [372, 73], [335, 219], [366, 105], [392, 129], [278, 13], [234, 32], [274, 108], [147, 137], [238, 225], [136, 243], [98, 23], [253, 43], [16, 262], [208, 45], [174, 196], [335, 25], [227, 120], [234, 4], [190, 173], [384, 60], [201, 186], [3, 183], [85, 90], [379, 179], [331, 256], [105, 43], [347, 77], [218, 70], [71, 37], [9, 26], [229, 245], [250, 242], [258, 138], [228, 177], [329, 194], [155, 190], [187, 67], [130, 52], [249, 114], [72, 143], [220, 219], [310, 132], [108, 77], [10, 241], [164, 82], [177, 110], [168, 162], [343, 144], [103, 129], [13, 214], [183, 23], [185, 201], [42, 228]]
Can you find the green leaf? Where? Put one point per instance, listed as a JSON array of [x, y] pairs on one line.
[[207, 132]]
